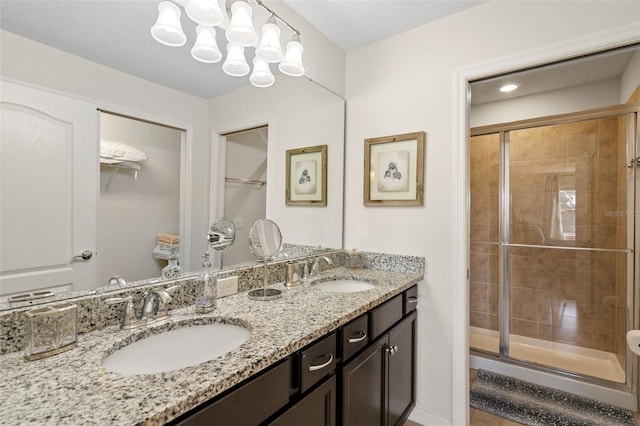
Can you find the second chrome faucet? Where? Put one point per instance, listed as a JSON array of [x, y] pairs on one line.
[[154, 307]]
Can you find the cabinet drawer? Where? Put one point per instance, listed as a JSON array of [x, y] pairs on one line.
[[317, 361], [410, 299], [354, 336], [385, 315], [265, 394]]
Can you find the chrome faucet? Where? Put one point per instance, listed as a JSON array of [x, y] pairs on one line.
[[314, 266], [154, 307]]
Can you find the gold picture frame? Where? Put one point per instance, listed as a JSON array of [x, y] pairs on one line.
[[306, 176], [394, 170]]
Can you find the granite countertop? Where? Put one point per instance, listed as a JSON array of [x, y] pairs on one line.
[[74, 388]]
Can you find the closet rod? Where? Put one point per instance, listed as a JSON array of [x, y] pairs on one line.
[[240, 180]]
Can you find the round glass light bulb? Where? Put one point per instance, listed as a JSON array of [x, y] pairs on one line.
[[205, 49], [167, 29], [236, 64], [292, 63], [269, 47], [204, 12], [261, 75], [241, 31]]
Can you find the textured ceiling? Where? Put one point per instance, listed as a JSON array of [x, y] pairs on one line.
[[115, 33], [354, 23]]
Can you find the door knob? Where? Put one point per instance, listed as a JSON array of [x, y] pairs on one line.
[[85, 255]]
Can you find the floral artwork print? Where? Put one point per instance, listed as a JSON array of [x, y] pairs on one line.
[[305, 173], [392, 171]]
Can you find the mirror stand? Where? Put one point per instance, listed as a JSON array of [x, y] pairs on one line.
[[264, 293], [265, 240]]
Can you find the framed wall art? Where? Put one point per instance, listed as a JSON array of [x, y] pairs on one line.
[[307, 176], [394, 170]]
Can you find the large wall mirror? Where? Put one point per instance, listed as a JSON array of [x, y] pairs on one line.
[[191, 157]]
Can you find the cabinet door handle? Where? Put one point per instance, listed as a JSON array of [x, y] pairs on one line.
[[392, 350], [412, 299], [321, 366], [358, 339]]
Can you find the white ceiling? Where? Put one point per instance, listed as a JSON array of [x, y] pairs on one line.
[[355, 23], [115, 33]]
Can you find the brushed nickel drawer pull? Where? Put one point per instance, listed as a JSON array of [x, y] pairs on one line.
[[321, 366], [412, 299], [358, 339]]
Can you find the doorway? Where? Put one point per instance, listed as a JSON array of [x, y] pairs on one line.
[[552, 241], [245, 189], [139, 196]]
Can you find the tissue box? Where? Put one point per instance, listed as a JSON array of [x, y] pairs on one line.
[[50, 330]]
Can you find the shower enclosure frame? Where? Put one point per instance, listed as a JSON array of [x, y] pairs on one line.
[[631, 111]]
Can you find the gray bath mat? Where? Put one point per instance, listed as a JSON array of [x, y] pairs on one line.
[[534, 405]]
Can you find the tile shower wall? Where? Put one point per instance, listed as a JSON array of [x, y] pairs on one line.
[[567, 187]]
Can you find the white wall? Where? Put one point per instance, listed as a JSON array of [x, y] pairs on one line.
[[299, 114], [571, 99], [630, 79], [41, 66], [132, 211], [414, 88]]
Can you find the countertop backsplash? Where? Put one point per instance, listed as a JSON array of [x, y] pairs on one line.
[[94, 314]]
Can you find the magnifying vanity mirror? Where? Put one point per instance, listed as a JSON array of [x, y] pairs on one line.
[[222, 234], [265, 241]]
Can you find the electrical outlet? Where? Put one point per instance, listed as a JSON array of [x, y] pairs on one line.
[[227, 286]]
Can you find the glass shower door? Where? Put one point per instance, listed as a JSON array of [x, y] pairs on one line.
[[552, 222], [568, 246]]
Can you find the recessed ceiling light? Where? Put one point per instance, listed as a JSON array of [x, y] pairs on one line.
[[510, 87]]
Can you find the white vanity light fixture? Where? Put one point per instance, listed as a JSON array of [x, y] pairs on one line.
[[269, 49], [240, 33], [205, 49], [261, 75], [236, 64], [204, 12], [167, 29], [292, 63], [509, 87]]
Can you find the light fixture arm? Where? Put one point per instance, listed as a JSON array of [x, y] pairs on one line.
[[268, 9]]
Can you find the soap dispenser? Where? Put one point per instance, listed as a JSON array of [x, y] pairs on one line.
[[207, 300]]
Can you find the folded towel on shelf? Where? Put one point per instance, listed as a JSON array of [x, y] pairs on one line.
[[118, 151], [168, 239]]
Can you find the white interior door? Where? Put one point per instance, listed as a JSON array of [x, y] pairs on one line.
[[48, 191]]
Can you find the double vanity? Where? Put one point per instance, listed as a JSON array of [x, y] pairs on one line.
[[339, 349]]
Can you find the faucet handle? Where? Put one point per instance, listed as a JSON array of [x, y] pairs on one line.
[[129, 317]]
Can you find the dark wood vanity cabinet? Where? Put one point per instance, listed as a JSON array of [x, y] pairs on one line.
[[378, 385], [318, 408], [361, 374]]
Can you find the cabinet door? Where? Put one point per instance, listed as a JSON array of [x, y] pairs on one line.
[[316, 409], [363, 387], [401, 370]]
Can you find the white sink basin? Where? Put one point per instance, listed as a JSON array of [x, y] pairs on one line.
[[344, 286], [175, 349]]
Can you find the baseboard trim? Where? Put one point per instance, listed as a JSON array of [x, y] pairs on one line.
[[425, 418]]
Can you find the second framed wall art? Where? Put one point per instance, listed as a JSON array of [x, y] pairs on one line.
[[394, 170], [307, 176]]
